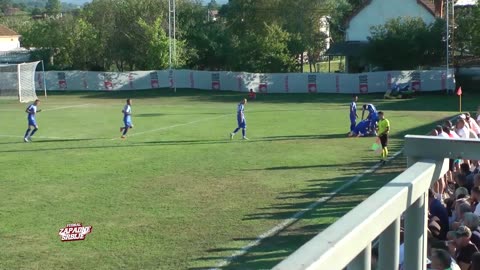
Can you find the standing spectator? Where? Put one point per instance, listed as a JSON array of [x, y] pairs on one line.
[[252, 95]]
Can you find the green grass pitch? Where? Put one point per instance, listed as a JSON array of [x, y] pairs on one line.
[[178, 194]]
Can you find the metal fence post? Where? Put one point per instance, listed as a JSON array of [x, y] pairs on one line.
[[363, 261], [416, 234], [389, 246]]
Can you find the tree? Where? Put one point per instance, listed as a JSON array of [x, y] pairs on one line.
[[406, 43], [53, 7]]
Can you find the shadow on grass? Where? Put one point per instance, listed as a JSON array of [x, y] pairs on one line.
[[274, 249], [312, 221]]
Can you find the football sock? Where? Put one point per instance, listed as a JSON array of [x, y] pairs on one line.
[[125, 131], [33, 132], [236, 130], [26, 133], [244, 132]]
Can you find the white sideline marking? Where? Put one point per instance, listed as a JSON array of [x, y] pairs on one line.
[[294, 218]]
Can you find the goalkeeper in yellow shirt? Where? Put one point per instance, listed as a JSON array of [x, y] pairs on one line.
[[383, 130]]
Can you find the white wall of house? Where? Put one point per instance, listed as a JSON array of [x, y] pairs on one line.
[[8, 43], [378, 12]]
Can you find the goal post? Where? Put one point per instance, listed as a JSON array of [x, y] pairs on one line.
[[17, 81]]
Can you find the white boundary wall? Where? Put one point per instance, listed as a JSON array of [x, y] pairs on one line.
[[373, 82]]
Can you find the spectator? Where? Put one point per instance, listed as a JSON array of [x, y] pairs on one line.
[[440, 132], [252, 95], [448, 128], [461, 181], [461, 128], [461, 208], [475, 261], [476, 180], [472, 221], [475, 199], [436, 209], [441, 260], [463, 248], [472, 124]]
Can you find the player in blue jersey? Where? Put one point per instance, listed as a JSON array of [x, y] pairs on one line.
[[372, 116], [127, 118], [361, 129], [353, 113], [242, 123], [32, 111]]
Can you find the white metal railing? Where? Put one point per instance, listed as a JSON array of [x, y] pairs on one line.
[[347, 243]]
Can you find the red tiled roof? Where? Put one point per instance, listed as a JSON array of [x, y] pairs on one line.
[[427, 4], [5, 31]]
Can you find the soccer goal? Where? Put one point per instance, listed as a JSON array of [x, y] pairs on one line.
[[17, 81]]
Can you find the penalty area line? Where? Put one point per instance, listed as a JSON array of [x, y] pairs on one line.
[[296, 217]]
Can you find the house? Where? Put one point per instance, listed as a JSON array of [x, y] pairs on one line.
[[373, 13], [9, 39]]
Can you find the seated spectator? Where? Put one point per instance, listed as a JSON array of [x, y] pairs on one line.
[[461, 181], [436, 209], [441, 260], [475, 199], [440, 132], [252, 95], [461, 208], [475, 166], [476, 180], [472, 124], [463, 248], [462, 129], [472, 221], [448, 128]]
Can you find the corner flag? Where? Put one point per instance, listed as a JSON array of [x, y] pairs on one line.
[[459, 94]]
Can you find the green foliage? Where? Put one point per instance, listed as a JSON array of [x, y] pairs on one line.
[[466, 35], [406, 43], [53, 7]]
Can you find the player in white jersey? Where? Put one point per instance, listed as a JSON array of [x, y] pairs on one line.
[[32, 120], [242, 123], [127, 118]]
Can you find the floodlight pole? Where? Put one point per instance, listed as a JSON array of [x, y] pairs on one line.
[[448, 42], [172, 45]]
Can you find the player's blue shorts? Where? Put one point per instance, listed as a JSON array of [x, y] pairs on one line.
[[242, 123], [127, 120], [32, 121]]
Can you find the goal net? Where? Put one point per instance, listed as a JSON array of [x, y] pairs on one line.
[[17, 81]]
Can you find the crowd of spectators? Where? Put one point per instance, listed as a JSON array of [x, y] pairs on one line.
[[454, 207]]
